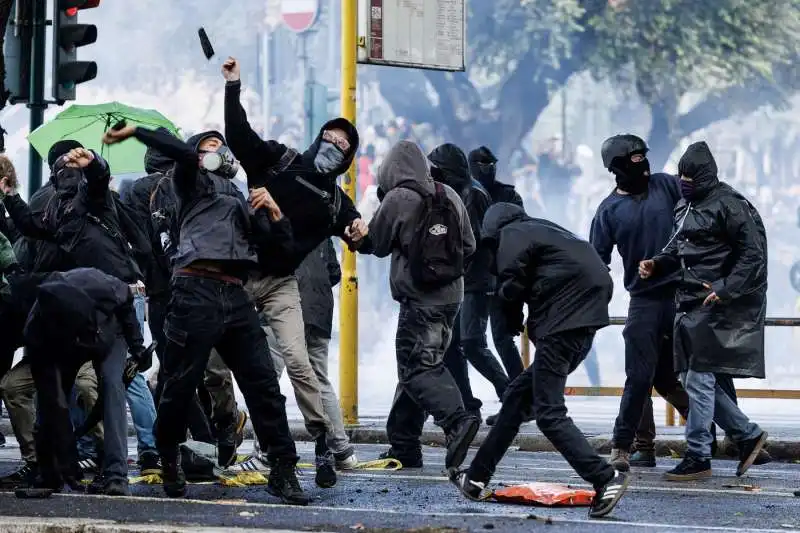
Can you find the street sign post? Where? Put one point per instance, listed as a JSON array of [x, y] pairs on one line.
[[299, 15], [427, 34]]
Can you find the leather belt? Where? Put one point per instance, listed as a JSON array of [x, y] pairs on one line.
[[208, 274]]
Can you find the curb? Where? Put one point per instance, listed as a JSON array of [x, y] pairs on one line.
[[77, 525]]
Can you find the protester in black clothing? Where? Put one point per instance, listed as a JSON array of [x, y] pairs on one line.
[[304, 185], [637, 218], [450, 166], [567, 289], [209, 308], [96, 319], [483, 166]]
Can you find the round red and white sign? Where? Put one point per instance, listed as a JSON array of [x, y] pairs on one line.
[[299, 15]]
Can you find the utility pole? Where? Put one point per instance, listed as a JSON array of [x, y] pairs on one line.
[[36, 102], [348, 308]]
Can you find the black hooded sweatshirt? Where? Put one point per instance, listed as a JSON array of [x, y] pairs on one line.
[[482, 166], [214, 217], [316, 207], [560, 276], [451, 168]]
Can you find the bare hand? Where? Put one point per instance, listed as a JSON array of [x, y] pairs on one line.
[[646, 268], [117, 136], [261, 198], [711, 298], [357, 230], [6, 186], [78, 158], [231, 70]]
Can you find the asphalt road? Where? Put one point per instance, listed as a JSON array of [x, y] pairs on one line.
[[405, 500]]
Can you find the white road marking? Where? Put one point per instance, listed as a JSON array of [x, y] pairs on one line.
[[525, 516]]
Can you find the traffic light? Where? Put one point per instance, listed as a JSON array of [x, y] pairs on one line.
[[68, 35]]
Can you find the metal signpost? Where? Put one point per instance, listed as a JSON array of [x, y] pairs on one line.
[[427, 34]]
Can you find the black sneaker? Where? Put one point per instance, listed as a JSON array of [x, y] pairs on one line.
[[149, 464], [762, 458], [326, 471], [607, 496], [690, 469], [88, 465], [408, 460], [116, 487], [25, 475], [491, 419], [643, 458], [473, 490], [283, 483], [458, 440], [748, 452], [97, 485], [173, 478]]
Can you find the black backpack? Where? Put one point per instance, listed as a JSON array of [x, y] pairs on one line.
[[436, 255]]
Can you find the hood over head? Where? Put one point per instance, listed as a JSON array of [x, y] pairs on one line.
[[195, 140], [499, 215], [155, 162], [404, 162], [698, 163], [352, 136], [60, 148], [482, 165], [68, 306], [451, 167]]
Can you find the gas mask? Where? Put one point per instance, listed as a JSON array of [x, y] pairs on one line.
[[222, 163], [329, 157]]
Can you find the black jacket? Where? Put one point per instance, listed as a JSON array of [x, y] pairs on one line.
[[316, 207], [720, 241], [317, 275], [86, 221], [486, 174], [90, 308], [560, 276], [153, 199], [213, 214], [452, 169]]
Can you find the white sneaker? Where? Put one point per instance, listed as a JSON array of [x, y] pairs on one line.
[[254, 463], [349, 463]]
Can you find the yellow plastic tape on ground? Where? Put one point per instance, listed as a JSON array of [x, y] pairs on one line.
[[378, 464]]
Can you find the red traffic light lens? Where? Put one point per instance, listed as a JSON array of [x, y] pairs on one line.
[[71, 12]]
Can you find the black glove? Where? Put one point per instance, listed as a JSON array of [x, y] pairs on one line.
[[141, 360]]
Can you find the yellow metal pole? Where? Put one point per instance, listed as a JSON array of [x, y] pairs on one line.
[[526, 349], [348, 305], [670, 415]]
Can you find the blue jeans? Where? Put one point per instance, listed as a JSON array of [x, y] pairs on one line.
[[86, 447], [140, 399], [709, 403]]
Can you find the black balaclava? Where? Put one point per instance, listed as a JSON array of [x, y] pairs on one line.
[[698, 164], [616, 152], [483, 166], [60, 148]]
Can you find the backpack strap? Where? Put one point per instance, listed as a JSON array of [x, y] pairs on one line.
[[283, 163]]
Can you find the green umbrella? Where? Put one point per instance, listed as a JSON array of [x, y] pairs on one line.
[[87, 123]]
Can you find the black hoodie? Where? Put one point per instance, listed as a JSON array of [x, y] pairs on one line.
[[560, 276], [316, 207], [450, 167], [482, 165], [213, 214]]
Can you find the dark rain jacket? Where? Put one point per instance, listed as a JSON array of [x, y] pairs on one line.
[[560, 276], [487, 176], [317, 275], [213, 215], [720, 240], [153, 199], [316, 207], [452, 169]]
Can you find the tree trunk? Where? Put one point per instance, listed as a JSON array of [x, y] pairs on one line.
[[660, 140]]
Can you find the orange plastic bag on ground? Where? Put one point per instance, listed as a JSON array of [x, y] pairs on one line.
[[550, 494]]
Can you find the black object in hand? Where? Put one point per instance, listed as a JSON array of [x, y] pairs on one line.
[[205, 42], [119, 125]]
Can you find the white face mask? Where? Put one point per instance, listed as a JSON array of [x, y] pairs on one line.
[[329, 157]]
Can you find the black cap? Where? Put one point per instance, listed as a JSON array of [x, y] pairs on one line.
[[60, 148]]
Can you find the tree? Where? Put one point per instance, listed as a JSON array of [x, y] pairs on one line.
[[518, 54], [730, 56]]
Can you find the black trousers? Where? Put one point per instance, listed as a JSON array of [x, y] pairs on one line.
[[199, 425], [54, 370], [208, 313], [539, 391], [424, 386], [648, 364], [456, 364], [474, 320]]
